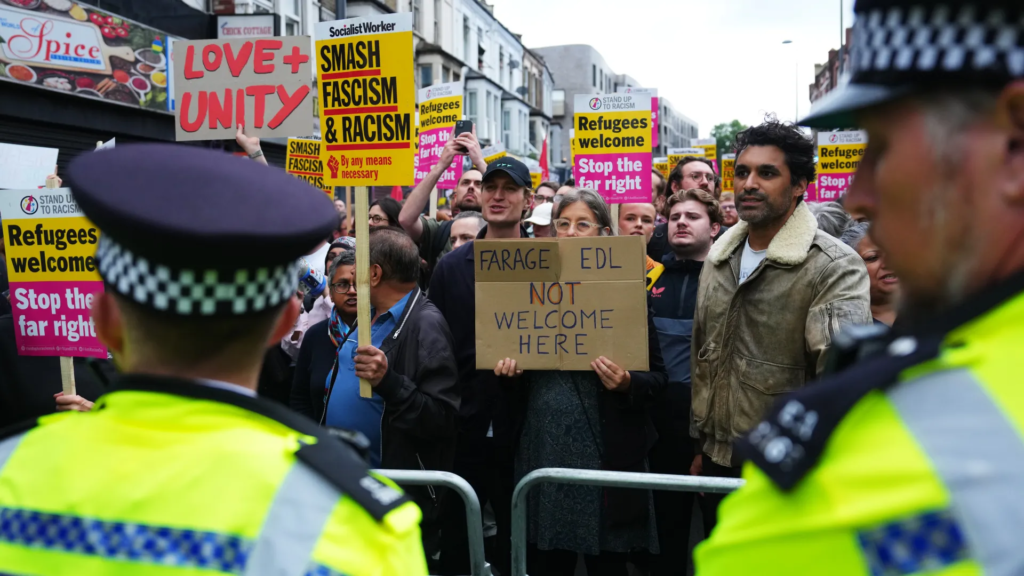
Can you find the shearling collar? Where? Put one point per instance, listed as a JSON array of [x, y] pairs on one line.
[[789, 246]]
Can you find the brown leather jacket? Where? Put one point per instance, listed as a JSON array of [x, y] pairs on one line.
[[768, 336]]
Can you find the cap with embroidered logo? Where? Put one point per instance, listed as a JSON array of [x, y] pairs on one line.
[[515, 169]]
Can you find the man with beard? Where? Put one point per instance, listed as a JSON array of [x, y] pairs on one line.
[[433, 237], [691, 172], [728, 205], [774, 292], [908, 462]]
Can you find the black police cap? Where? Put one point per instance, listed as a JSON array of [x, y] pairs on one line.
[[903, 47], [194, 232]]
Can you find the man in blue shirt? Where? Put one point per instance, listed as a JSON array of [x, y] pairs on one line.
[[410, 420]]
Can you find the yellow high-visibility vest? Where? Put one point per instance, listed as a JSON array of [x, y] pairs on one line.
[[169, 477], [921, 474]]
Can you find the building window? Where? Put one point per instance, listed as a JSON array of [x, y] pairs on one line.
[[593, 74], [480, 48], [471, 110], [467, 47], [291, 27], [490, 114], [501, 65], [437, 21], [506, 129], [446, 74], [455, 76], [426, 75], [558, 102], [497, 111], [417, 15]]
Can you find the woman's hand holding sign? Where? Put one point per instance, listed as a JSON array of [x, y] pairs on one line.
[[507, 368], [614, 378]]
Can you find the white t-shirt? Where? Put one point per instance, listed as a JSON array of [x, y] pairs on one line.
[[749, 261]]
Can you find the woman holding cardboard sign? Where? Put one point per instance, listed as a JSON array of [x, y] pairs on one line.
[[589, 420]]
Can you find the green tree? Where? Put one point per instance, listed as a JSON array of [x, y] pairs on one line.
[[725, 136]]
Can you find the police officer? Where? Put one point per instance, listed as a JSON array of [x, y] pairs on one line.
[[912, 461], [181, 469]]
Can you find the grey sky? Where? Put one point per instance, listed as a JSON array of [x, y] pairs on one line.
[[715, 60]]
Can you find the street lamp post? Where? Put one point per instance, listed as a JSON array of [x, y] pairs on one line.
[[796, 85]]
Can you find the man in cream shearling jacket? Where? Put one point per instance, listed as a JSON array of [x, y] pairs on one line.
[[773, 293]]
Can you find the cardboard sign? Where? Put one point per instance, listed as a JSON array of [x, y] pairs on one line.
[[559, 304], [728, 171], [839, 155], [662, 166], [677, 154], [439, 109], [364, 69], [653, 93], [25, 166], [51, 265], [303, 160], [613, 139], [261, 83]]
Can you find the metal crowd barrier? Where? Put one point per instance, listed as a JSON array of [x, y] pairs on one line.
[[600, 478], [478, 564]]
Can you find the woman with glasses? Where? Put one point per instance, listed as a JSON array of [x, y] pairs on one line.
[[384, 212], [320, 346], [595, 420]]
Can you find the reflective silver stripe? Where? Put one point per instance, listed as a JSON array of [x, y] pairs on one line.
[[293, 524], [979, 455], [7, 447]]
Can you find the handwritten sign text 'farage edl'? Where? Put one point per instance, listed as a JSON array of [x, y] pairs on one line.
[[364, 70], [559, 304], [260, 83], [53, 273]]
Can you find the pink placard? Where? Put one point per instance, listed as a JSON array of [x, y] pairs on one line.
[[55, 318], [654, 121], [811, 195], [618, 178], [431, 144], [832, 187]]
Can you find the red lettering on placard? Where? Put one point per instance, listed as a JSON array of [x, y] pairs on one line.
[[262, 56], [288, 103], [220, 113], [239, 107], [212, 49], [190, 72], [237, 63], [186, 101], [259, 93]]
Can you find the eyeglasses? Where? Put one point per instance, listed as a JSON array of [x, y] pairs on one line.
[[377, 219], [698, 176], [342, 287], [538, 199], [583, 227]]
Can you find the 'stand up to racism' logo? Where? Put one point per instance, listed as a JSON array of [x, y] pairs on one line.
[[429, 92], [595, 103], [29, 205], [833, 138]]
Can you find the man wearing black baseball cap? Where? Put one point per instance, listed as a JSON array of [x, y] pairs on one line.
[[484, 449], [910, 460]]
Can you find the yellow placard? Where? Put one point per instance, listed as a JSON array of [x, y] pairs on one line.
[[622, 133], [839, 159], [494, 157], [677, 154], [710, 151], [728, 172], [535, 179], [302, 159], [662, 168], [364, 70], [51, 249]]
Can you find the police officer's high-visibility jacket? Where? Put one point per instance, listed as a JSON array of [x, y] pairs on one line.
[[168, 477], [909, 463]]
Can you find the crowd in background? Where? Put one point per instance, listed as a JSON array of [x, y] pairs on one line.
[[746, 290]]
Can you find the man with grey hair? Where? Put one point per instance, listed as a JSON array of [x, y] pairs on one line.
[[909, 461], [831, 216], [465, 227]]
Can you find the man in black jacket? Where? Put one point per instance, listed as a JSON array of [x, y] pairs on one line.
[[694, 218], [412, 369], [691, 172]]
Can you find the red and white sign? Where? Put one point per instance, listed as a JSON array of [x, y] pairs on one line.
[[245, 25], [53, 42]]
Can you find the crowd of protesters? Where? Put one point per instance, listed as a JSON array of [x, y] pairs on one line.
[[746, 291]]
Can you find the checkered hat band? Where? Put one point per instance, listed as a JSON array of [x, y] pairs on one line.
[[901, 43], [191, 292]]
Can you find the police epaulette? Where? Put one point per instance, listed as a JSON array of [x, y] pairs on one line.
[[788, 443], [334, 460]]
